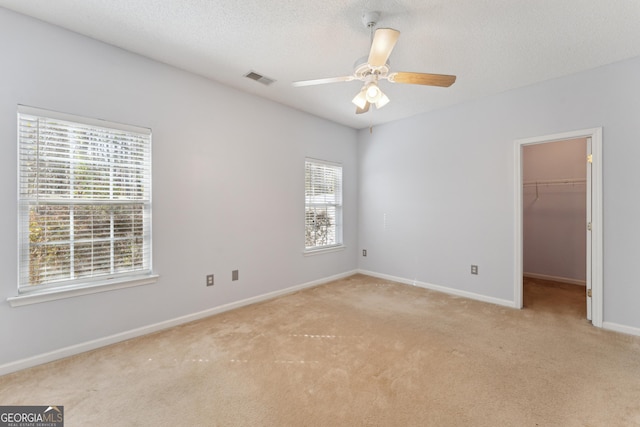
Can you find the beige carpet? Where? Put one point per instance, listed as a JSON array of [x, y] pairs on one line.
[[356, 352]]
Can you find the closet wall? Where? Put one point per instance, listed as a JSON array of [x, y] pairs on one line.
[[554, 211]]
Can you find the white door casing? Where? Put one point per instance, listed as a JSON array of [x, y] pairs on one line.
[[589, 299], [594, 199]]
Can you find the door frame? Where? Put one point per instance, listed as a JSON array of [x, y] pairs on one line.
[[596, 258]]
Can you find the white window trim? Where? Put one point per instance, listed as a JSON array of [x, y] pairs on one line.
[[324, 249], [91, 286], [74, 291]]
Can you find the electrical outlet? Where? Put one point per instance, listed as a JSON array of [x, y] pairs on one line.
[[364, 252], [474, 269], [209, 279], [234, 275]]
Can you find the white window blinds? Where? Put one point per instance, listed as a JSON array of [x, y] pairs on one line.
[[323, 204], [84, 200]]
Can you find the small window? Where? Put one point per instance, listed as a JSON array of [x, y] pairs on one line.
[[84, 201], [323, 205]]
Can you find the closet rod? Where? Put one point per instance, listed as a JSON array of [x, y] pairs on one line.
[[554, 182]]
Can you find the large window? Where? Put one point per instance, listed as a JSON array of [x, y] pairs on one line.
[[84, 201], [323, 205]]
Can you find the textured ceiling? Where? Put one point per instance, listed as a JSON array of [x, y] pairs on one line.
[[490, 45]]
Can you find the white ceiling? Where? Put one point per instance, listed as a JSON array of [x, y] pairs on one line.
[[490, 45]]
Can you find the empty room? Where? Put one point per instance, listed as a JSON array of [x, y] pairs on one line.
[[319, 213]]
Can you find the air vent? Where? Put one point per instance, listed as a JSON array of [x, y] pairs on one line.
[[259, 78]]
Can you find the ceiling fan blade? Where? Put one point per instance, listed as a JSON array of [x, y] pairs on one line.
[[323, 81], [363, 110], [442, 80], [383, 43]]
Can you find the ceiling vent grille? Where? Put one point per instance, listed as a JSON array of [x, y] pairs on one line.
[[259, 78]]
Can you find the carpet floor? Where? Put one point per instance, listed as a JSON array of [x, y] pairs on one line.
[[356, 352]]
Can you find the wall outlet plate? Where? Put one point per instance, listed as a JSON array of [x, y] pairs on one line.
[[474, 269], [234, 275], [364, 252], [209, 279]]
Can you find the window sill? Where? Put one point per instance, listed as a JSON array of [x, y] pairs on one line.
[[103, 286], [309, 252]]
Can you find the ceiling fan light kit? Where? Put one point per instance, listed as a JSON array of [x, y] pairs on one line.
[[360, 100], [373, 93], [382, 100], [375, 67]]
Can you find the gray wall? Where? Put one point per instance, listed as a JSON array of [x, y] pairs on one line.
[[228, 185], [445, 182]]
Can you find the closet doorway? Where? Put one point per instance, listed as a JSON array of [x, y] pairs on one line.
[[554, 220], [558, 216]]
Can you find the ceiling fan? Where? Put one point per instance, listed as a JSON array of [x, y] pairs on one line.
[[376, 67]]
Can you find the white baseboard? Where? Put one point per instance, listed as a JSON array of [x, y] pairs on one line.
[[630, 330], [444, 289], [555, 279], [123, 336]]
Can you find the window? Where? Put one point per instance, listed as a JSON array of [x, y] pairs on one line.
[[323, 205], [84, 201]]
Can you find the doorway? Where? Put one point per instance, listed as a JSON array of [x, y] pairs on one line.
[[592, 225], [554, 220]]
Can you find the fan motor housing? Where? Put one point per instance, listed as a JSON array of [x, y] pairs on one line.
[[362, 69]]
